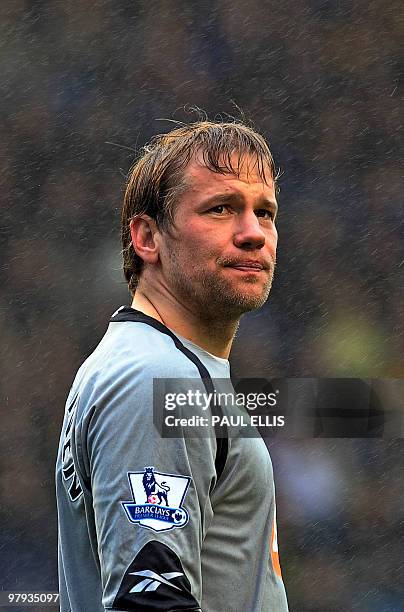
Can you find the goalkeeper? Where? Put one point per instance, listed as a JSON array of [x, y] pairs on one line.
[[151, 523]]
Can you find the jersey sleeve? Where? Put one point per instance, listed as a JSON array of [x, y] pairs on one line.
[[147, 497]]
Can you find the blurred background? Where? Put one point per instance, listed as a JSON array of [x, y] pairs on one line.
[[83, 86]]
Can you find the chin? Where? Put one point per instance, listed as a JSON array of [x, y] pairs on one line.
[[254, 294], [220, 297], [245, 302]]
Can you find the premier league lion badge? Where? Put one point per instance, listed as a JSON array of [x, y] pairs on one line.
[[157, 499]]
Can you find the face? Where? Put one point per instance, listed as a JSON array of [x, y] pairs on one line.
[[219, 256]]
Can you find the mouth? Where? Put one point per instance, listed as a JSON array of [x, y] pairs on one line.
[[248, 266]]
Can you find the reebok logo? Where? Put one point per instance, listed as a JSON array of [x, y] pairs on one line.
[[162, 586], [153, 580]]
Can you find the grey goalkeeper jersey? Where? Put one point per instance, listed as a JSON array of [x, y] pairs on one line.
[[151, 523]]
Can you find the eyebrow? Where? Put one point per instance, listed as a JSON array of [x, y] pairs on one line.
[[234, 197]]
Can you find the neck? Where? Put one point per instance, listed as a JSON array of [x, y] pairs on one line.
[[213, 335]]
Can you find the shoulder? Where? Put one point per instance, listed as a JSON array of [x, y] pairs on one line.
[[143, 348], [117, 383], [131, 355]]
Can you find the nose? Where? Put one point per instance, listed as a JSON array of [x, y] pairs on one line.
[[249, 234]]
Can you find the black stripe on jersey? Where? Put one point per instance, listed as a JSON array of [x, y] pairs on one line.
[[130, 314]]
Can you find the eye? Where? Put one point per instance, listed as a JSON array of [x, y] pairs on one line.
[[265, 213], [219, 209]]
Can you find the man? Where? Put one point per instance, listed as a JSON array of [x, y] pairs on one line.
[[148, 522]]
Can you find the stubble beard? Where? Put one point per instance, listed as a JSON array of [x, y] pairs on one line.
[[213, 297]]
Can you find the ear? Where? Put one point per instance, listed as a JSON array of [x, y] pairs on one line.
[[145, 238]]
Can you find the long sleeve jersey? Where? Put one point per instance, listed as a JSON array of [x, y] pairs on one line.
[[146, 523]]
